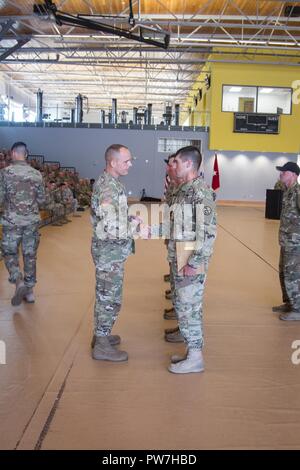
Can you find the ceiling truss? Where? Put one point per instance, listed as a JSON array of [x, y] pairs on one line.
[[35, 53]]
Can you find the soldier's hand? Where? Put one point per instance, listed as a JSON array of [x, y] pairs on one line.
[[188, 271]]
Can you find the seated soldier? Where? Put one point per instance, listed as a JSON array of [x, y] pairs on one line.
[[67, 199], [56, 209]]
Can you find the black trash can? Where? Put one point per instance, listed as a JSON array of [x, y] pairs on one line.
[[273, 203]]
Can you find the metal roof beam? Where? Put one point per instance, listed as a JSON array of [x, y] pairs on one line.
[[167, 18], [98, 40], [11, 50], [5, 27], [100, 61], [105, 77], [45, 50], [59, 50], [95, 85], [104, 68]]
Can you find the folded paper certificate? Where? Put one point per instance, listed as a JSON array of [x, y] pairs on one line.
[[183, 252]]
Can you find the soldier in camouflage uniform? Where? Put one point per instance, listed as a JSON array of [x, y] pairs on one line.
[[22, 193], [58, 197], [172, 335], [193, 198], [111, 246], [170, 187], [67, 199], [84, 193], [56, 210], [289, 240]]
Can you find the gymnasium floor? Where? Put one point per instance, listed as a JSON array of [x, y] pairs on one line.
[[54, 396]]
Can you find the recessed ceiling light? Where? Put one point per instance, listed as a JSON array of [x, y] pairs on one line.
[[266, 90], [235, 88]]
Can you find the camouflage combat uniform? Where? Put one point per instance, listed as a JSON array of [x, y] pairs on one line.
[[22, 192], [169, 197], [280, 185], [188, 295], [289, 240], [111, 246], [68, 199], [56, 209], [58, 198]]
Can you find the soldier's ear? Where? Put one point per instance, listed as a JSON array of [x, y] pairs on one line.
[[189, 164]]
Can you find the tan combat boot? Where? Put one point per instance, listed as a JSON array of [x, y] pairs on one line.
[[171, 330], [175, 337], [178, 357], [104, 351], [168, 294], [29, 297], [169, 314], [290, 316], [19, 294], [113, 339], [284, 308], [193, 363]]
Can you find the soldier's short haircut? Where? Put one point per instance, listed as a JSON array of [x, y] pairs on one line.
[[171, 157], [113, 151], [20, 147], [191, 153]]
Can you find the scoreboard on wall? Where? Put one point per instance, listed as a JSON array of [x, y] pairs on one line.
[[256, 123]]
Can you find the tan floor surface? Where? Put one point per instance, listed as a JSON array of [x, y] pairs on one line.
[[54, 396]]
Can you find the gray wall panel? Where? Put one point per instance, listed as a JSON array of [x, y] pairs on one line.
[[244, 175]]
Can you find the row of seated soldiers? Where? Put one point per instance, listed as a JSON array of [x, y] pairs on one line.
[[65, 191]]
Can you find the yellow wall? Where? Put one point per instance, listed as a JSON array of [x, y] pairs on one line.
[[200, 115], [222, 136]]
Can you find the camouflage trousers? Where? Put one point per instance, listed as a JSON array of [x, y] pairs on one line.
[[187, 301], [57, 210], [28, 237], [290, 276], [172, 285], [285, 297], [108, 297]]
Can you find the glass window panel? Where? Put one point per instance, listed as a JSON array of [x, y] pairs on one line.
[[239, 98], [274, 100], [172, 145]]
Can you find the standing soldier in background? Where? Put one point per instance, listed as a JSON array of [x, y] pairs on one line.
[[289, 240], [172, 335], [22, 193], [111, 246], [193, 196], [170, 186]]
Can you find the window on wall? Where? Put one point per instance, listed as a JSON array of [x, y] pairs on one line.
[[274, 100], [172, 145], [239, 98], [252, 99]]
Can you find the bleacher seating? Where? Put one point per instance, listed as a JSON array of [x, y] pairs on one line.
[[51, 170]]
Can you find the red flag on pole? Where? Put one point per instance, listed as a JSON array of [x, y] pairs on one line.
[[216, 177]]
